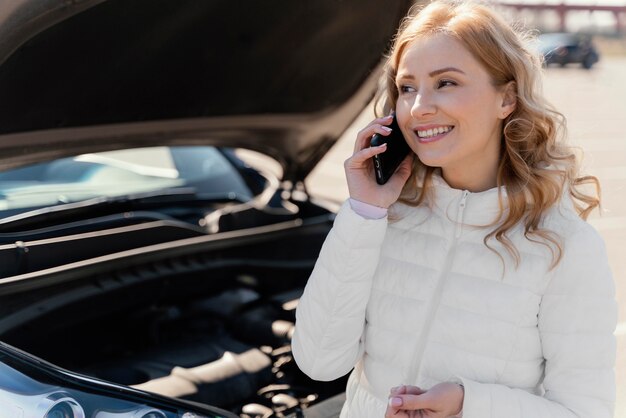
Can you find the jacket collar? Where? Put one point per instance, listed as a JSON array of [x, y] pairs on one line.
[[463, 206]]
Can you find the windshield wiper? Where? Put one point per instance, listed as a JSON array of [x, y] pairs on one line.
[[107, 204]]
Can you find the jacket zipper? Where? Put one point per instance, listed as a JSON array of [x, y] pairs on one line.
[[420, 346]]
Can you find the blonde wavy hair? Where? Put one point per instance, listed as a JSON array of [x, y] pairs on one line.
[[536, 168]]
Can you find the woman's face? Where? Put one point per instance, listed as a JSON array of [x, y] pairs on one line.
[[449, 111]]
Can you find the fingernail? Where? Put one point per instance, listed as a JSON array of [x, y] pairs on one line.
[[386, 128], [393, 389], [395, 402], [389, 116]]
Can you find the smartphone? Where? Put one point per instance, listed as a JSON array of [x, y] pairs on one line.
[[386, 163]]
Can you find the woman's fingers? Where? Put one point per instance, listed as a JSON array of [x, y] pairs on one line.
[[403, 389], [392, 412], [359, 169], [412, 402], [442, 400], [359, 157], [414, 390], [400, 399], [377, 126]]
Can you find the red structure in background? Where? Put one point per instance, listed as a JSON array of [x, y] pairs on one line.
[[562, 9]]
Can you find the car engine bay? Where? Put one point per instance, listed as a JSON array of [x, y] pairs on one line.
[[213, 328]]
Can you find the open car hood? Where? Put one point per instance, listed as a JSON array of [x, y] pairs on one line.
[[285, 77]]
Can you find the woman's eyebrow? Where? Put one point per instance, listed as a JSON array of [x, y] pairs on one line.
[[445, 70], [432, 73]]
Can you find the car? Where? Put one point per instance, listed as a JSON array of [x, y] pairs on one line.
[[568, 48], [156, 231]]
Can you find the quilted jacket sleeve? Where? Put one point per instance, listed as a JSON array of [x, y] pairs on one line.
[[330, 317], [577, 320]]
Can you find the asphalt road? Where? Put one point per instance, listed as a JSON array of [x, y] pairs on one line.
[[594, 103]]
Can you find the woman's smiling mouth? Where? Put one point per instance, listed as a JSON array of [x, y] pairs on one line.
[[432, 134]]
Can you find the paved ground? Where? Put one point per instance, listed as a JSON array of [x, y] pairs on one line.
[[594, 103]]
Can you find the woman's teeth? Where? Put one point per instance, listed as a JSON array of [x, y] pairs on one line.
[[432, 132]]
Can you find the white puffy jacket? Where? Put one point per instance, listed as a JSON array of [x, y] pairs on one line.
[[421, 301]]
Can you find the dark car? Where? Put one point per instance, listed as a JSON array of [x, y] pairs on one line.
[[568, 48], [150, 266]]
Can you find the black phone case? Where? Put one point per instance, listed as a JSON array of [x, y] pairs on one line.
[[386, 163]]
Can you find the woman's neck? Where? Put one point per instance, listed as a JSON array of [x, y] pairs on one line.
[[470, 182]]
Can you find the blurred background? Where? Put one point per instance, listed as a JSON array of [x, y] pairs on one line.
[[584, 42]]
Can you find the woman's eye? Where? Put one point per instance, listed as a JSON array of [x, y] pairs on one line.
[[406, 89], [445, 83]]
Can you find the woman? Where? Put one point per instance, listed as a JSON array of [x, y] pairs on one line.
[[469, 283]]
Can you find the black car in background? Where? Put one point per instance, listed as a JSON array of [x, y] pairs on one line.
[[155, 228], [568, 48]]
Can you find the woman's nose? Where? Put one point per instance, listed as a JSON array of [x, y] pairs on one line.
[[423, 105]]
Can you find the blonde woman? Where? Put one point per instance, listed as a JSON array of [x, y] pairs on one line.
[[469, 283]]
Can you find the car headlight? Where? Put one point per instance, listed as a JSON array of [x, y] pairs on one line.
[[138, 413], [56, 404], [77, 404], [59, 405], [32, 388]]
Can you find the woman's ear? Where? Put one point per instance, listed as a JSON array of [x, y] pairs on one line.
[[509, 99]]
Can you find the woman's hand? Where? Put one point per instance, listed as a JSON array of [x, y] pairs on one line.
[[441, 401], [360, 169]]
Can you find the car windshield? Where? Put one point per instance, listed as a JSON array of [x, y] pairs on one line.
[[559, 39], [204, 171]]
